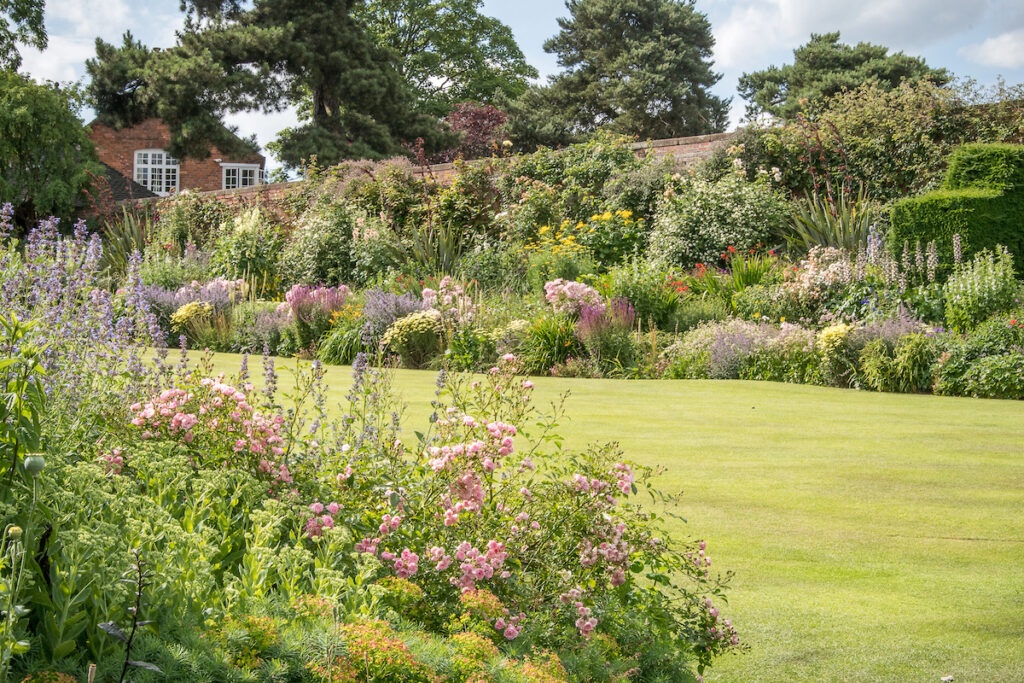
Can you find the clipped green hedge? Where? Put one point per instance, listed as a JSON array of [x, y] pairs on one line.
[[982, 200], [988, 166]]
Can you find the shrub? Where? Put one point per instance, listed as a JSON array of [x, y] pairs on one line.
[[977, 289], [901, 366], [612, 236], [416, 338], [189, 218], [691, 311], [555, 264], [982, 201], [647, 289], [838, 355], [550, 341], [998, 376], [470, 349], [997, 336], [699, 221], [496, 267], [320, 249], [312, 311], [382, 308], [248, 249], [789, 357], [259, 327]]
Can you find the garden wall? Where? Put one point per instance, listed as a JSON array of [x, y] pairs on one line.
[[689, 150]]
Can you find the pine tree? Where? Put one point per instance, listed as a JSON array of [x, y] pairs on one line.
[[638, 67]]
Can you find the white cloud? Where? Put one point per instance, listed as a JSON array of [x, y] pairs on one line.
[[750, 30], [265, 126], [1005, 51]]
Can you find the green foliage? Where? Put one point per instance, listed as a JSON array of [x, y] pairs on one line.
[[21, 22], [448, 51], [979, 288], [319, 251], [248, 249], [824, 67], [982, 202], [901, 366], [502, 268], [47, 158], [988, 166], [637, 68], [891, 142], [190, 218], [646, 288], [122, 238], [844, 222], [999, 376], [996, 337], [697, 222], [545, 266], [470, 349], [691, 311], [550, 341], [117, 83]]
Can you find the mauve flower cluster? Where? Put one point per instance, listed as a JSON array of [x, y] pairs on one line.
[[569, 296], [596, 319], [311, 303], [451, 300]]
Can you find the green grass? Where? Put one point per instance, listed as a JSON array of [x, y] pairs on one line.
[[873, 536]]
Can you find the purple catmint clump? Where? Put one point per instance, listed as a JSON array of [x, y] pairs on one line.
[[220, 293], [381, 308]]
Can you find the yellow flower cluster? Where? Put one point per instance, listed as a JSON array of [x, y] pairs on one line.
[[349, 313], [608, 215], [564, 240]]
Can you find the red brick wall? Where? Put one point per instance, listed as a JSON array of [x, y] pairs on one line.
[[116, 148], [688, 150]]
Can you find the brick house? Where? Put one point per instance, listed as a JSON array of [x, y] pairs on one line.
[[138, 153]]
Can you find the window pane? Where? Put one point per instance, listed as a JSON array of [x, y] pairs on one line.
[[230, 178], [142, 176], [171, 161], [141, 158], [247, 177], [158, 180], [171, 180], [158, 158]]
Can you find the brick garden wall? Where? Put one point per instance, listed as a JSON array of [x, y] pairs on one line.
[[689, 150]]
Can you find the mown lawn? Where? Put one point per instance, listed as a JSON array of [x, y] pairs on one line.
[[873, 536]]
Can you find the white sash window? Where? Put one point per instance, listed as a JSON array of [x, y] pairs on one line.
[[157, 171]]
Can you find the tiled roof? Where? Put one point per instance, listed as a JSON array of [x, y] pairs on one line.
[[124, 188]]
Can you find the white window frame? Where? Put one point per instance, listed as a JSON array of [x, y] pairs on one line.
[[157, 171], [236, 176]]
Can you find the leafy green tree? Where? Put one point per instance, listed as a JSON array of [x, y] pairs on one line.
[[824, 67], [448, 51], [21, 21], [46, 157], [637, 67]]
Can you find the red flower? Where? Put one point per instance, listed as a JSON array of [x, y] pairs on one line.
[[732, 250]]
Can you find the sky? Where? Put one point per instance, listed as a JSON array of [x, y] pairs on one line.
[[981, 39]]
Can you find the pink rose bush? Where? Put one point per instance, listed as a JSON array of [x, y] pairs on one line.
[[451, 300], [214, 419], [505, 534]]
